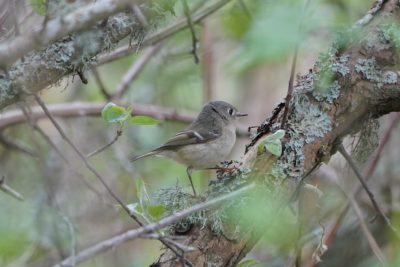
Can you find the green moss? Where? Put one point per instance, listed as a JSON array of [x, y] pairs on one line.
[[390, 33]]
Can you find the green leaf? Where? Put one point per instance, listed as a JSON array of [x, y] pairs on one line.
[[156, 211], [278, 134], [247, 263], [272, 143], [39, 7], [112, 113], [275, 147], [143, 120]]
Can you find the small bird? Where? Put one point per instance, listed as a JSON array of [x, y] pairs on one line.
[[207, 141]]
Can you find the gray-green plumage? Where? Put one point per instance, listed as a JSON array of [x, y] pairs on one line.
[[207, 141]]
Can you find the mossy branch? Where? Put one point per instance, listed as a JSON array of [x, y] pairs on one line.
[[357, 79]]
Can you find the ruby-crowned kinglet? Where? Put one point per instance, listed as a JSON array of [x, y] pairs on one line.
[[207, 141]]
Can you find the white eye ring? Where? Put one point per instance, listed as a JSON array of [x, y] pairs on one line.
[[231, 111]]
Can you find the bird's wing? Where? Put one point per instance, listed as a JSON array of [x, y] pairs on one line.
[[189, 137]]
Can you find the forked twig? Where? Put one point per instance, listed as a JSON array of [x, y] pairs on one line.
[[101, 149]]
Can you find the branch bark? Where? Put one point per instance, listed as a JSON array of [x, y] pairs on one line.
[[76, 109], [56, 28]]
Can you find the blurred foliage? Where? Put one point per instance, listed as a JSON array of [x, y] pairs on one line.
[[248, 42]]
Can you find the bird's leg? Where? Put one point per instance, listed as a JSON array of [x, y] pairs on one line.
[[189, 171]]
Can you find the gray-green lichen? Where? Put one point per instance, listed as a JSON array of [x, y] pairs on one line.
[[175, 199], [368, 69], [324, 86], [308, 119], [76, 52]]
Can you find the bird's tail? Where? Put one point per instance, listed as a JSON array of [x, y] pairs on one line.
[[133, 158]]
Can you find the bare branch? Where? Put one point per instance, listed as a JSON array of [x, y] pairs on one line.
[[370, 238], [80, 19], [137, 66], [76, 109], [162, 34], [292, 71], [100, 84], [11, 145], [8, 190]]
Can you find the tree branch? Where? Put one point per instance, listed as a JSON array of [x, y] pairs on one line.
[[80, 19], [365, 84], [153, 227], [77, 109]]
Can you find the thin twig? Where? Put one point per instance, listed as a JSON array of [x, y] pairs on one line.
[[15, 146], [141, 17], [8, 190], [290, 87], [296, 192], [192, 31], [101, 149], [150, 228], [32, 122], [137, 66], [163, 34], [100, 83], [83, 158], [368, 235], [292, 71], [366, 188], [34, 125]]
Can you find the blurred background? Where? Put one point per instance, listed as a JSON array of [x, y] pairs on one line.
[[245, 51]]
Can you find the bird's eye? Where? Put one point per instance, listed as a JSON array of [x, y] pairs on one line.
[[231, 111]]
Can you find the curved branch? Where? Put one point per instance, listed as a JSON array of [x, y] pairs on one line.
[[80, 19]]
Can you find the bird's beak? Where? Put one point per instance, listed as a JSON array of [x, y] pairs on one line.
[[238, 114]]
